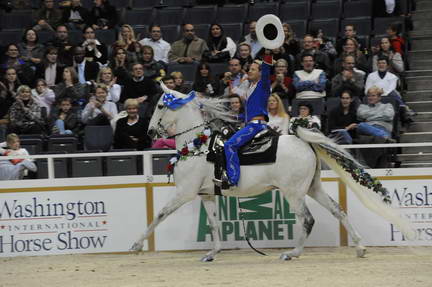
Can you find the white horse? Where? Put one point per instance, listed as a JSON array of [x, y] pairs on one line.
[[296, 173]]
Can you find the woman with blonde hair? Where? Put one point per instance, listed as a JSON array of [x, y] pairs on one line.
[[352, 48], [291, 45], [180, 85], [25, 114], [131, 131], [278, 117], [99, 111], [244, 54], [127, 40], [107, 78]]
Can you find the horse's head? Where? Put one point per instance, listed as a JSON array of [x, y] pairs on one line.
[[165, 114]]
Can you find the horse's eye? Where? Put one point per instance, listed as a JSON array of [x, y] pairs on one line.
[[160, 106]]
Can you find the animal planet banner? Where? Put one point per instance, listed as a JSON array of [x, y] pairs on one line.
[[413, 199], [73, 221], [269, 222]]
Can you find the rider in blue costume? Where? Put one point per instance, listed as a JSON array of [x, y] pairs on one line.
[[256, 116]]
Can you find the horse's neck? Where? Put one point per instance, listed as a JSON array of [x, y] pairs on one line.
[[190, 118]]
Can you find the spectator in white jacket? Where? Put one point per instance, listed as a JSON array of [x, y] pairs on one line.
[[43, 95], [159, 45], [310, 83], [99, 111]]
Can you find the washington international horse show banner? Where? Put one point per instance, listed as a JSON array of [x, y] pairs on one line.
[[67, 216], [71, 221]]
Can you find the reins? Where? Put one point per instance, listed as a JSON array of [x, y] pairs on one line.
[[241, 216], [205, 123]]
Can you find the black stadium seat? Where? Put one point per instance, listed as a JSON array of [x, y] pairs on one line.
[[359, 8], [261, 9], [363, 25], [144, 3], [326, 10], [62, 143], [381, 24], [32, 145], [16, 20], [200, 15], [188, 70], [171, 33], [87, 166], [299, 27], [330, 27], [294, 11], [98, 137], [202, 30], [231, 14], [138, 16], [169, 16], [8, 37], [108, 37], [122, 164], [233, 30]]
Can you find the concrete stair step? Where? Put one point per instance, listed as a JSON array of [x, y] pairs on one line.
[[424, 5], [418, 73], [419, 157], [421, 32], [421, 64], [420, 106], [423, 13], [422, 24], [416, 137], [413, 96], [417, 150], [419, 83], [420, 127], [419, 55], [423, 117], [416, 164], [421, 43]]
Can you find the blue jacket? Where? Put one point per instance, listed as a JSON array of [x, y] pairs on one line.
[[256, 104]]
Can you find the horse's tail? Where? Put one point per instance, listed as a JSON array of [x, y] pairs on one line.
[[369, 190]]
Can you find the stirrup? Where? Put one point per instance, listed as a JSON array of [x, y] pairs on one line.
[[223, 184]]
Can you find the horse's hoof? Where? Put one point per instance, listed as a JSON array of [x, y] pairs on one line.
[[361, 251], [207, 259], [285, 257], [137, 247]]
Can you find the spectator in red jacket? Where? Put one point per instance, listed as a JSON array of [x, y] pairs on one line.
[[397, 42]]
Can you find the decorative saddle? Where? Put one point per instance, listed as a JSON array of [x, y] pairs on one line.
[[260, 150]]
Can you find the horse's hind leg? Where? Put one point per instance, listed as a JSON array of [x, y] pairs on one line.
[[179, 200], [305, 217], [210, 207], [317, 193]]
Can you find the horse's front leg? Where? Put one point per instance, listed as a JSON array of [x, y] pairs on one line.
[[210, 207], [179, 200]]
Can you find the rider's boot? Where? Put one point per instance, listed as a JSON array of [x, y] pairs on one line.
[[224, 182]]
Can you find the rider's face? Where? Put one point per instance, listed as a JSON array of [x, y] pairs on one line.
[[254, 73]]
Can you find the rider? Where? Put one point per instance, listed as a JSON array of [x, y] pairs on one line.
[[256, 117]]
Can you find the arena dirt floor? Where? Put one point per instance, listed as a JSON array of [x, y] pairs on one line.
[[321, 267]]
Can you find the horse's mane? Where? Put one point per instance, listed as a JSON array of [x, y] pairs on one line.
[[215, 108]]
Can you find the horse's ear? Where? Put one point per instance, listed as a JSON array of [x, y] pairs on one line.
[[172, 92]]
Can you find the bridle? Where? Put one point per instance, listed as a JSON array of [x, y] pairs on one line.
[[161, 130]]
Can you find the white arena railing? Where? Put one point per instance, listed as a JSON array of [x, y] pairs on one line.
[[148, 155]]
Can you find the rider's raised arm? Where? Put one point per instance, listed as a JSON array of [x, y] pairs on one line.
[[265, 71]]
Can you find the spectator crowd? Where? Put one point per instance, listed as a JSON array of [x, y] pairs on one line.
[[347, 87]]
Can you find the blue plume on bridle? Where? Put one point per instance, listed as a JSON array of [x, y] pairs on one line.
[[173, 103]]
